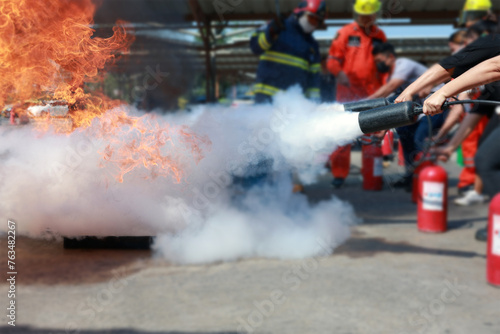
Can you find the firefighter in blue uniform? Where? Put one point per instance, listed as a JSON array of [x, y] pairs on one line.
[[289, 54]]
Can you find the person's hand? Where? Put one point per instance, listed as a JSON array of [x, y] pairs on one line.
[[434, 104], [342, 79], [380, 135], [442, 153], [404, 97], [437, 139]]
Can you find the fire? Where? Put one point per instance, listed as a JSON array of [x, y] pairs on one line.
[[142, 141], [46, 47], [48, 52]]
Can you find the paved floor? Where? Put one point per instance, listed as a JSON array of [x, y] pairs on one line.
[[388, 278]]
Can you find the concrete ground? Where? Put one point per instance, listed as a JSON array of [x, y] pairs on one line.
[[387, 278]]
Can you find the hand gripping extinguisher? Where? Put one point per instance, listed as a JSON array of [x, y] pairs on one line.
[[432, 215], [372, 164], [493, 257]]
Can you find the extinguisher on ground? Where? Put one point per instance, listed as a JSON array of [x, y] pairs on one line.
[[388, 144], [432, 215], [372, 164], [421, 164], [401, 158], [493, 254]]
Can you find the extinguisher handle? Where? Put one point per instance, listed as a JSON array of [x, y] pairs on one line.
[[418, 110]]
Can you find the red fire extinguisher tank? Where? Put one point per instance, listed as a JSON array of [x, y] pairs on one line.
[[372, 167], [415, 188], [493, 257], [432, 215]]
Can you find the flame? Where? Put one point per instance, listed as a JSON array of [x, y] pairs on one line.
[[47, 47], [136, 142], [48, 52]]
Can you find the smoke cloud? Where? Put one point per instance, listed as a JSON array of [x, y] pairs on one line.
[[60, 185]]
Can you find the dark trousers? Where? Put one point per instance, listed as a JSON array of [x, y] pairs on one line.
[[488, 163], [413, 138], [263, 99]]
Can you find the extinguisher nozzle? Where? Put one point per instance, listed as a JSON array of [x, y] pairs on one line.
[[366, 105], [388, 117]]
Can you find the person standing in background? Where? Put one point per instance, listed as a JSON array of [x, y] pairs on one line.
[[351, 61], [475, 11], [289, 54], [456, 42]]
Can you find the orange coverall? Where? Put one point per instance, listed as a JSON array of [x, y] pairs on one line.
[[469, 149], [351, 52]]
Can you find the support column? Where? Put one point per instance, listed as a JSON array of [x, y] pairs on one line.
[[204, 26]]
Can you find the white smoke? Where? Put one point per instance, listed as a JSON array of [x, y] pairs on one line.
[[59, 184]]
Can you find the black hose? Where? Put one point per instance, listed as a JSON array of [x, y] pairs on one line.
[[483, 102], [419, 109]]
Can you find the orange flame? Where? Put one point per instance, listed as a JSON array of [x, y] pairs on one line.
[[135, 142], [48, 51], [47, 47]]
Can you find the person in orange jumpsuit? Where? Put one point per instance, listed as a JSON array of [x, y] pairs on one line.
[[351, 61]]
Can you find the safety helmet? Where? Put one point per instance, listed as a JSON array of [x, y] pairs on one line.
[[315, 7], [474, 10], [367, 7], [477, 5]]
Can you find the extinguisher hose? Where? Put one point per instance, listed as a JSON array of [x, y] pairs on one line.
[[431, 143]]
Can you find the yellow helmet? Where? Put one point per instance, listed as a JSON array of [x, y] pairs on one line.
[[477, 5], [474, 10], [367, 7]]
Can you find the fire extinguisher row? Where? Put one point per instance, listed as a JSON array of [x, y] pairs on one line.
[[430, 192], [430, 181], [432, 214]]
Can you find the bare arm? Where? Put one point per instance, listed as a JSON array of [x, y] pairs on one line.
[[468, 124], [387, 89], [453, 118], [484, 73], [432, 77]]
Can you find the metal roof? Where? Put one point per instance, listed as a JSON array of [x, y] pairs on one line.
[[159, 13], [184, 60]]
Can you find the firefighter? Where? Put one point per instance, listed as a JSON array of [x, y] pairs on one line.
[[350, 58], [475, 11], [351, 62], [289, 54]]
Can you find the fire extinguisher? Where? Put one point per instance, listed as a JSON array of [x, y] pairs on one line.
[[372, 166], [388, 144], [493, 257], [432, 215], [401, 158], [425, 162], [12, 116]]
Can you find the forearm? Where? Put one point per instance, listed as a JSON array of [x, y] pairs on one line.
[[382, 92], [453, 118], [468, 124], [484, 73], [333, 66], [387, 89], [432, 77]]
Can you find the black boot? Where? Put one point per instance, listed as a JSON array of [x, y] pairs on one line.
[[405, 182], [482, 234], [338, 182]]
